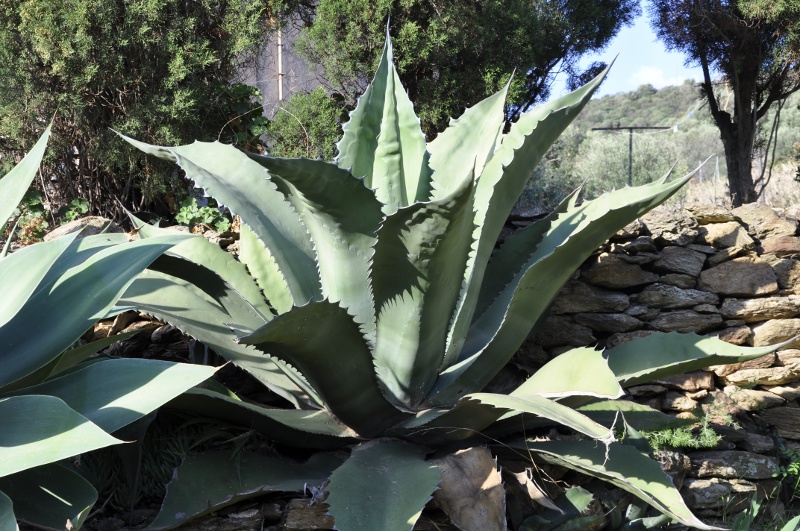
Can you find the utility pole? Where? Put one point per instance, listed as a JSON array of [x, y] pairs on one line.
[[630, 143]]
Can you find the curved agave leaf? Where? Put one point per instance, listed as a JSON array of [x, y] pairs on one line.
[[208, 482], [325, 344], [131, 388], [499, 187], [383, 485], [60, 304], [213, 258], [661, 355], [625, 467], [383, 141], [242, 185], [496, 335], [264, 270], [50, 496], [42, 429], [296, 428], [343, 217], [8, 521], [638, 416], [419, 261], [577, 372], [16, 182], [185, 306]]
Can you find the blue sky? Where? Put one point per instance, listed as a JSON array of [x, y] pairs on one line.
[[642, 59]]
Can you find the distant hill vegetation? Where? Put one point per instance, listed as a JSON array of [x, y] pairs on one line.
[[598, 160]]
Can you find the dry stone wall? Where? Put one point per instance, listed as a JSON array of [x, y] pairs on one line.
[[729, 273]]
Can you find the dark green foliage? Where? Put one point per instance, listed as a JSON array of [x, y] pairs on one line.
[[160, 70], [306, 125], [453, 53]]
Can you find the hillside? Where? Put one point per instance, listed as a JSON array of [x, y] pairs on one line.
[[598, 160]]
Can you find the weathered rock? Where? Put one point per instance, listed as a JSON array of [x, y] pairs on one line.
[[705, 308], [763, 222], [690, 381], [675, 464], [559, 330], [639, 391], [608, 322], [700, 248], [775, 331], [746, 276], [638, 259], [88, 226], [622, 337], [726, 254], [665, 296], [632, 230], [763, 362], [782, 246], [787, 272], [642, 244], [753, 399], [753, 442], [789, 358], [770, 376], [678, 280], [644, 313], [673, 400], [736, 335], [611, 271], [724, 235], [733, 464], [301, 515], [788, 391], [685, 321], [670, 228], [580, 297], [707, 213], [705, 493], [676, 259], [761, 309], [785, 419]]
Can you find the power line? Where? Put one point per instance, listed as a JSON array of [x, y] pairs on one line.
[[630, 142]]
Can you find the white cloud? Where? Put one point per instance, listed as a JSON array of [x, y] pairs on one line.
[[650, 74]]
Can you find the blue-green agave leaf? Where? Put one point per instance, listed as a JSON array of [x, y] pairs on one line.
[[264, 270], [577, 372], [498, 189], [296, 428], [208, 482], [418, 266], [660, 355], [383, 485], [50, 496], [637, 416], [16, 182], [131, 388], [342, 216], [326, 345], [623, 466], [184, 305], [383, 141], [80, 288], [8, 521], [42, 429], [500, 330], [242, 185]]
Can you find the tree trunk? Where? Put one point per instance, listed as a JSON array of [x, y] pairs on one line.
[[737, 139]]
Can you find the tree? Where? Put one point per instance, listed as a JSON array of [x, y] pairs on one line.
[[452, 53], [163, 71], [755, 49]]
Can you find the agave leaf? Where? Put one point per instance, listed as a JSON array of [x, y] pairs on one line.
[[8, 522], [383, 141], [623, 466], [243, 185], [499, 187], [325, 344], [72, 357], [466, 145], [264, 270], [435, 427], [419, 261], [498, 333], [208, 482], [185, 306], [559, 378], [131, 388], [50, 496], [296, 428], [16, 182], [27, 267], [61, 306], [211, 256], [388, 481], [42, 429], [638, 416], [343, 217], [661, 355]]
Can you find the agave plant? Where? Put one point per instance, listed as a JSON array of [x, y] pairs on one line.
[[55, 403], [368, 296]]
